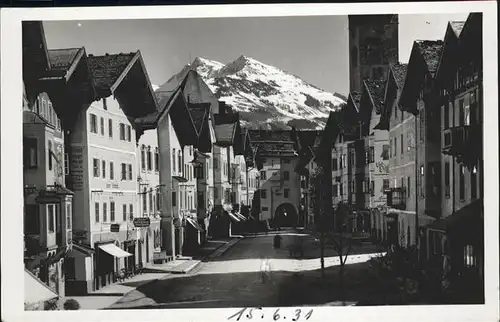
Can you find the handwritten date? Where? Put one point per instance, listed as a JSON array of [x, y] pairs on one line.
[[259, 313]]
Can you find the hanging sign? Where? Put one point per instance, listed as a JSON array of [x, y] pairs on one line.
[[115, 228], [142, 222]]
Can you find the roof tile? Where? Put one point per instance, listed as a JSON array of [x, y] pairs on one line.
[[431, 53], [399, 72], [376, 89], [62, 58], [106, 69]]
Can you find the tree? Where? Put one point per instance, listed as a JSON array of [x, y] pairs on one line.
[[341, 244]]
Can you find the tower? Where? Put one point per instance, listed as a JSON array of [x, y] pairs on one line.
[[373, 45]]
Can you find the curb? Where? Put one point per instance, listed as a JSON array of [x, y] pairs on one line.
[[215, 253]]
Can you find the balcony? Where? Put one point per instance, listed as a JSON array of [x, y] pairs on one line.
[[463, 142], [396, 198]]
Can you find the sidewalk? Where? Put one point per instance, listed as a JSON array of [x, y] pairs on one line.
[[109, 295], [211, 249]]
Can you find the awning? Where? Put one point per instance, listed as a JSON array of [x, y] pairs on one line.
[[233, 217], [115, 251], [35, 291], [194, 223], [239, 215]]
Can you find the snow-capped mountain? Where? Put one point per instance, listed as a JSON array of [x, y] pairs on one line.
[[265, 96]]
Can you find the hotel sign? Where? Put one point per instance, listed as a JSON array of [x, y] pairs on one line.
[[142, 222]]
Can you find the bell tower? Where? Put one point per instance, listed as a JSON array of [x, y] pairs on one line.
[[373, 46]]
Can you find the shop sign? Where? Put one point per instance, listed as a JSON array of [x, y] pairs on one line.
[[47, 197], [115, 228], [141, 222]]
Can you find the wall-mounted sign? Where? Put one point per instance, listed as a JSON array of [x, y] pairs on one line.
[[115, 228], [77, 168], [177, 222], [142, 222]]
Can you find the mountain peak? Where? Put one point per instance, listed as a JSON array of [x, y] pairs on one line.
[[264, 95]]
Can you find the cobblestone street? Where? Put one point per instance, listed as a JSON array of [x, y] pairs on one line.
[[234, 279]]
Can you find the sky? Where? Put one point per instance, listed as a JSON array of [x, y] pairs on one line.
[[312, 48]]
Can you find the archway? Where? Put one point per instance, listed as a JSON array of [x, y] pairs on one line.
[[285, 216]]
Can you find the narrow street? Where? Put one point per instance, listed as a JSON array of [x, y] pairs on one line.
[[234, 279]]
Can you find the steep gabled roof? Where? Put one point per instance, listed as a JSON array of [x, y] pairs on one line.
[[398, 71], [199, 111], [431, 53], [224, 133], [376, 89], [108, 69], [394, 83], [448, 60], [424, 60], [457, 27]]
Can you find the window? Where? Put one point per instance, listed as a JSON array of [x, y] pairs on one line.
[[179, 161], [102, 126], [150, 163], [112, 211], [334, 164], [446, 116], [110, 128], [130, 172], [390, 150], [30, 153], [93, 123], [66, 164], [124, 171], [422, 125], [122, 131], [50, 218], [173, 160], [385, 184], [96, 168], [103, 169], [129, 133], [157, 160], [124, 210], [143, 158], [421, 183], [395, 147], [131, 212], [402, 145], [96, 210], [461, 182], [263, 194], [408, 186], [341, 162], [263, 175], [151, 203], [473, 183], [50, 155], [104, 212], [158, 200], [372, 154], [469, 257], [341, 189], [144, 201], [68, 216], [286, 176], [385, 152], [112, 171], [286, 193], [216, 193], [447, 179]]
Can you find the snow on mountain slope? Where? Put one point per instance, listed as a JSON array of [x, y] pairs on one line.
[[265, 96]]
